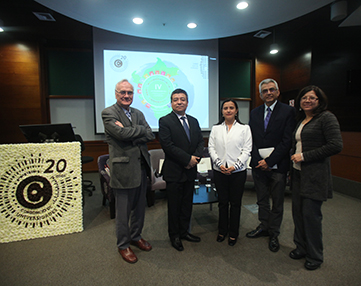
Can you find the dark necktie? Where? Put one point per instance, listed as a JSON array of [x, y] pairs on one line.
[[268, 116], [186, 128]]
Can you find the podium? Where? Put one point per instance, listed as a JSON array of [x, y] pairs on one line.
[[40, 190]]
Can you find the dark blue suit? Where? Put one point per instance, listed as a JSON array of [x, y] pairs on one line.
[[271, 183], [180, 181]]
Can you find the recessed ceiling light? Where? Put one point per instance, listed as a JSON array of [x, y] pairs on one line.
[[1, 25], [192, 25], [242, 5], [138, 21], [274, 49]]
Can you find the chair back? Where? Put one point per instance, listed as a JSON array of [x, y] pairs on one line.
[[157, 181], [102, 163]]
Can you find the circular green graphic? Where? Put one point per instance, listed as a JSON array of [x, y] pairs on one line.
[[156, 90]]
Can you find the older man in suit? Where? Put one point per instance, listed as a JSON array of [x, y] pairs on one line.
[[272, 125], [127, 132], [182, 142]]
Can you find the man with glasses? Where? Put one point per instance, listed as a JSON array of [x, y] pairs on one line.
[[127, 133], [272, 125]]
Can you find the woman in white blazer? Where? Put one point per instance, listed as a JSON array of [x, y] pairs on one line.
[[230, 145]]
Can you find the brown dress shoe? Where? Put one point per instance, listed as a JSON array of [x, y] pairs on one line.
[[142, 244], [128, 255]]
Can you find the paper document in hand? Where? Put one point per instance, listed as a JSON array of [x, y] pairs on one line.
[[160, 165], [204, 165], [266, 152]]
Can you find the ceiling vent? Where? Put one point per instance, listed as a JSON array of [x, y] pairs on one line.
[[262, 34], [42, 16]]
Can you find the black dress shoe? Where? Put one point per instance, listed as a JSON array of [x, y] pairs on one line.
[[191, 238], [311, 265], [220, 237], [177, 243], [232, 241], [296, 254], [258, 232], [274, 245]]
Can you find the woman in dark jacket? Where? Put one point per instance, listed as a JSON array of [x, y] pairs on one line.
[[317, 137]]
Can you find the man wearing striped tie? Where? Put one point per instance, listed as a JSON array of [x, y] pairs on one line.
[[181, 139], [127, 133], [272, 125]]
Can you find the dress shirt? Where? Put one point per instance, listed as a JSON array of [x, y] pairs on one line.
[[127, 113], [181, 121], [230, 147], [271, 107]]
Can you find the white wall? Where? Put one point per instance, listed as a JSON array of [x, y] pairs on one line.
[[78, 112]]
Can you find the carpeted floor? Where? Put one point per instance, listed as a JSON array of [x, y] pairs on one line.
[[91, 257]]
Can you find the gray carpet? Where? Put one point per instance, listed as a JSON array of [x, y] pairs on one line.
[[91, 257]]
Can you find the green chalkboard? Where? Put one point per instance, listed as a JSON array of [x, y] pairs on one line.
[[234, 78], [70, 73]]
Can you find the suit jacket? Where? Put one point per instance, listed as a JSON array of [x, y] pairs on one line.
[[127, 145], [177, 148], [278, 135]]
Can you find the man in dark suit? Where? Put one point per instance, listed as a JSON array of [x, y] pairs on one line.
[[127, 132], [272, 125], [182, 142]]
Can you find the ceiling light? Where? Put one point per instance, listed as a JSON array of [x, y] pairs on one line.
[[338, 10], [1, 26], [242, 5], [274, 49], [192, 25], [138, 21]]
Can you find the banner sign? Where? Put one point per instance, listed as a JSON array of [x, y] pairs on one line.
[[40, 190]]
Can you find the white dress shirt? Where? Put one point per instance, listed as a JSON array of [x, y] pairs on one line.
[[180, 116], [230, 147], [271, 107]]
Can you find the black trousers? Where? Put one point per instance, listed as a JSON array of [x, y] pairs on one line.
[[230, 191], [180, 203], [270, 184], [307, 218]]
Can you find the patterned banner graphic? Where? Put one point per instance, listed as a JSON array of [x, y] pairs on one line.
[[40, 190]]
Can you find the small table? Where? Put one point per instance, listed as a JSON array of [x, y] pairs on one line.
[[205, 194]]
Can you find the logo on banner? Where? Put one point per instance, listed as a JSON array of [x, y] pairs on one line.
[[39, 190]]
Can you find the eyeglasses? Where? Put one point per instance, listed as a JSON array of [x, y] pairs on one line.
[[310, 98], [271, 90], [124, 92]]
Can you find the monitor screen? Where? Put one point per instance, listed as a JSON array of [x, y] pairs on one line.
[[43, 133]]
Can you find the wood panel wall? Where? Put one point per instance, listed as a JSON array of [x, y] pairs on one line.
[[98, 148], [264, 70], [296, 74], [20, 92], [347, 164]]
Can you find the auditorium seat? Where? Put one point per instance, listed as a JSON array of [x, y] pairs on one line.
[[106, 190]]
